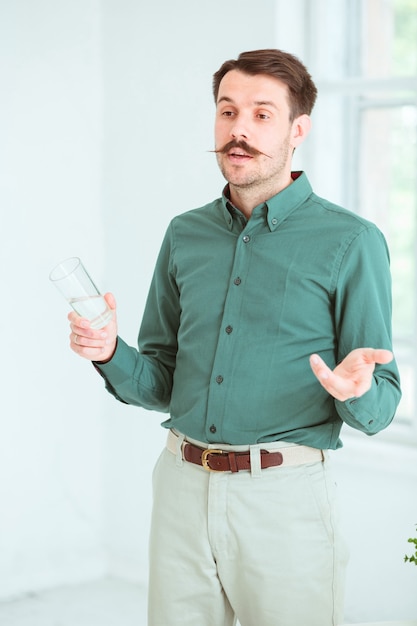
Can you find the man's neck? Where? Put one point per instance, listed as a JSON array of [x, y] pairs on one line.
[[247, 198]]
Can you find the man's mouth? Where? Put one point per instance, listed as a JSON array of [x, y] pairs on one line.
[[238, 154]]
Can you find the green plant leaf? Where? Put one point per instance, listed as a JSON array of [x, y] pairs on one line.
[[413, 557]]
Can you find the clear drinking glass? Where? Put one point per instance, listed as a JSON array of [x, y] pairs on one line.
[[72, 279]]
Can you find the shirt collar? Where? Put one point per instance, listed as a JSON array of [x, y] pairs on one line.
[[279, 207]]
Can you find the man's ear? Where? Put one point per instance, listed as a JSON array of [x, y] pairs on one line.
[[301, 126]]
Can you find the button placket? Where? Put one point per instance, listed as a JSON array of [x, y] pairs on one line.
[[223, 360]]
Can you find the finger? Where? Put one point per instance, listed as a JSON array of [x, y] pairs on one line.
[[79, 331], [92, 341], [319, 367], [78, 322], [110, 299], [92, 354]]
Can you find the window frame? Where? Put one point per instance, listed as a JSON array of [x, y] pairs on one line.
[[353, 90]]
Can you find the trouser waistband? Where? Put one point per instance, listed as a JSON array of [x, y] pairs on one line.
[[227, 458]]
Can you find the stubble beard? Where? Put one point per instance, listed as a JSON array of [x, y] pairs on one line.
[[238, 178]]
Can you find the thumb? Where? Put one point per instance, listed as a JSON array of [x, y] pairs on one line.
[[111, 300], [379, 355]]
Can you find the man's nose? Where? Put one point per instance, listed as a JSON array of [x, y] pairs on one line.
[[240, 128]]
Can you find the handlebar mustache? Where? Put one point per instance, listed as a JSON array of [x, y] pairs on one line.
[[243, 146]]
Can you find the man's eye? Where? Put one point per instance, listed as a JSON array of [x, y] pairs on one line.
[[263, 116], [227, 113]]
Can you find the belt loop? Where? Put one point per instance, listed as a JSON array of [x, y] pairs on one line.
[[178, 444], [255, 461]]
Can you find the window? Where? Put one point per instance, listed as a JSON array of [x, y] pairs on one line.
[[363, 56]]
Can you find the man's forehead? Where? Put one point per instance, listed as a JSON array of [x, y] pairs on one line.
[[260, 88]]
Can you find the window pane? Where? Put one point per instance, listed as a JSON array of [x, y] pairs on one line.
[[389, 38], [406, 413], [367, 111], [388, 197]]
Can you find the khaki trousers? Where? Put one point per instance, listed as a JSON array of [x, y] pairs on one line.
[[263, 548]]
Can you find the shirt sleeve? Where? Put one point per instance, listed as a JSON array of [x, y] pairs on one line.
[[363, 310], [143, 376]]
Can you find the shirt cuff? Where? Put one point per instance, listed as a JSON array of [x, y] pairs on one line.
[[363, 413], [121, 365]]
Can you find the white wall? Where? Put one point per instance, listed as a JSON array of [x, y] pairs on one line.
[[377, 481], [106, 122], [51, 413]]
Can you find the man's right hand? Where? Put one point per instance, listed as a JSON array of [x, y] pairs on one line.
[[94, 344]]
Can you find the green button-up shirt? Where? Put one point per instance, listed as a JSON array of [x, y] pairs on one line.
[[236, 308]]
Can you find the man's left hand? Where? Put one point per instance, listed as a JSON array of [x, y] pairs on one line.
[[353, 376]]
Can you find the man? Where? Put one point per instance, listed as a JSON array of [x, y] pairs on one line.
[[267, 326]]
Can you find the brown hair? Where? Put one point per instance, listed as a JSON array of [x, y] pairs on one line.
[[302, 91]]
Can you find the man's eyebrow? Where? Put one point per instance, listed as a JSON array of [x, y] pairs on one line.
[[268, 103], [258, 103], [224, 99]]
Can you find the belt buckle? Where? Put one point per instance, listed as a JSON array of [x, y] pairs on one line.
[[204, 459]]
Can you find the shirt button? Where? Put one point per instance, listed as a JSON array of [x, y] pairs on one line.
[[237, 281], [213, 429], [219, 379], [246, 239], [274, 221], [229, 329]]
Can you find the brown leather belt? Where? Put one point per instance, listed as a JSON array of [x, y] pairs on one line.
[[227, 460]]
